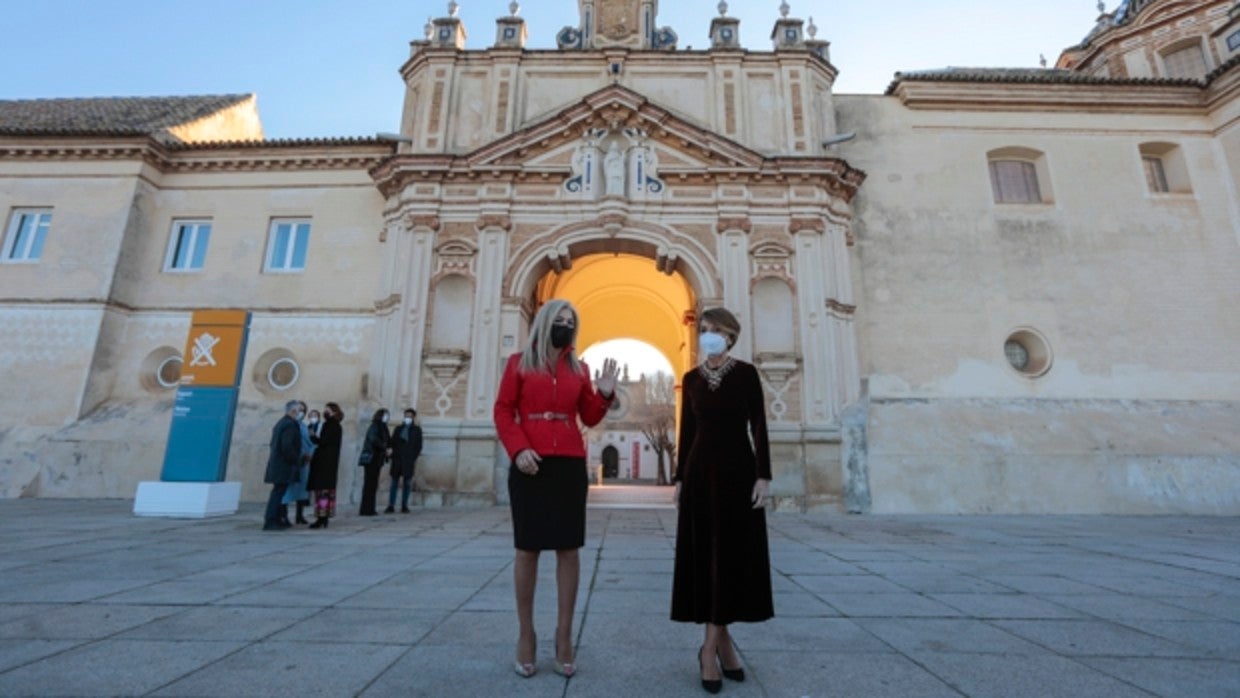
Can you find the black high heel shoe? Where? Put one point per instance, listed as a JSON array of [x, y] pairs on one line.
[[711, 685], [737, 674]]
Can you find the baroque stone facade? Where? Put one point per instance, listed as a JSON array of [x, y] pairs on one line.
[[990, 290]]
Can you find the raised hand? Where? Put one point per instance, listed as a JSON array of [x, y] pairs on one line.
[[606, 382]]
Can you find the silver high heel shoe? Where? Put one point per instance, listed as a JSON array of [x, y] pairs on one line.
[[526, 669], [565, 669]]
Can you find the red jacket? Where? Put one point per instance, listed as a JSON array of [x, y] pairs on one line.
[[539, 410]]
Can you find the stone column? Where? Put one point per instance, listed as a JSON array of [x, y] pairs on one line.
[[414, 310], [485, 345], [841, 313], [817, 351], [734, 272]]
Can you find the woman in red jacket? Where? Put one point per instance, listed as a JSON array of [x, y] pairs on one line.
[[545, 388]]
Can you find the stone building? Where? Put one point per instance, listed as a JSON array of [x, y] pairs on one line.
[[986, 290]]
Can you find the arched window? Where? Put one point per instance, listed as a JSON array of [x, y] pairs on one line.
[[1018, 176]]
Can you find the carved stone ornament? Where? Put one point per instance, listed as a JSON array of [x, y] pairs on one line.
[[414, 221], [616, 162], [493, 221], [816, 225], [741, 223], [771, 260], [445, 369], [778, 370]]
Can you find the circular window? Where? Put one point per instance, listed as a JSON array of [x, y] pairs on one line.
[[1017, 354], [1027, 351], [275, 371], [283, 373], [168, 374], [160, 371]]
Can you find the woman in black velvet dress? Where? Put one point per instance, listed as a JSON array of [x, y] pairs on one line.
[[723, 474]]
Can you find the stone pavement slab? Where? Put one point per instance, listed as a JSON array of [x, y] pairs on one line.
[[97, 602]]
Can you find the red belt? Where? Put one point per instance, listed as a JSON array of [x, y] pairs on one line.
[[549, 416]]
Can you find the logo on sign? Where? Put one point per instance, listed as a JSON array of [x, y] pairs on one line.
[[204, 344]]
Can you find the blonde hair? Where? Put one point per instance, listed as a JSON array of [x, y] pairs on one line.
[[538, 354]]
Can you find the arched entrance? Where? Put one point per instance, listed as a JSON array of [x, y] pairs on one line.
[[623, 295], [611, 462]]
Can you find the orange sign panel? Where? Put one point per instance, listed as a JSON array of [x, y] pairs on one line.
[[215, 348]]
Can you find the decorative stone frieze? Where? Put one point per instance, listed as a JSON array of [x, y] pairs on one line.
[[741, 223], [494, 221], [816, 225], [423, 222]]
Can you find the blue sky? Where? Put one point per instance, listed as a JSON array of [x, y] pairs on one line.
[[329, 67]]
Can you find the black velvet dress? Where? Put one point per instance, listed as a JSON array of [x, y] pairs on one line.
[[723, 568]]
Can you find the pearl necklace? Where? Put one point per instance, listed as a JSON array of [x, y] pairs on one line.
[[714, 376]]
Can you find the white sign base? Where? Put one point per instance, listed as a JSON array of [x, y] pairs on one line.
[[187, 500]]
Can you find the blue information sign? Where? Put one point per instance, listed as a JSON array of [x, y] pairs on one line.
[[201, 432]]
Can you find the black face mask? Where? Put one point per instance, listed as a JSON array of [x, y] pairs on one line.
[[561, 335]]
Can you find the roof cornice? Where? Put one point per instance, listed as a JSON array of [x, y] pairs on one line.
[[1003, 96], [280, 155]]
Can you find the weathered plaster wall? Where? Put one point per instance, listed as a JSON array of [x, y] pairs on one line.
[[1133, 292]]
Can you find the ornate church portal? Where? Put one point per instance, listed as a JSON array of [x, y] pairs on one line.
[[641, 183]]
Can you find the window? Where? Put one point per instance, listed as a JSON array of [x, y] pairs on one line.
[[1166, 169], [1155, 175], [1014, 182], [1019, 175], [1027, 352], [286, 245], [1186, 62], [26, 234], [187, 247]]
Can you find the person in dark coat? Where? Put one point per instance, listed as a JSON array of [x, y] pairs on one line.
[[324, 465], [544, 390], [282, 462], [375, 450], [722, 571], [406, 447]]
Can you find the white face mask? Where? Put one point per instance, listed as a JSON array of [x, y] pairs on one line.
[[314, 420], [712, 344], [408, 420]]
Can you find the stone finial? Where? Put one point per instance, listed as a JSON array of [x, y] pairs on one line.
[[429, 29], [453, 8], [1042, 59], [1102, 6], [784, 8], [812, 29], [723, 8], [514, 8]]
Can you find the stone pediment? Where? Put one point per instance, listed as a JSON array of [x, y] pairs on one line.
[[550, 143]]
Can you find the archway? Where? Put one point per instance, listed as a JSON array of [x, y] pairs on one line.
[[611, 462], [621, 295]]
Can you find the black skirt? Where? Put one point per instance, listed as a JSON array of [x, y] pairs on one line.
[[549, 507]]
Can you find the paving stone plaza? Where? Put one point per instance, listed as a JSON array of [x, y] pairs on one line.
[[95, 602]]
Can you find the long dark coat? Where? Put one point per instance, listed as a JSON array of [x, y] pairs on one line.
[[406, 447], [723, 568], [377, 440], [325, 462], [285, 456]]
